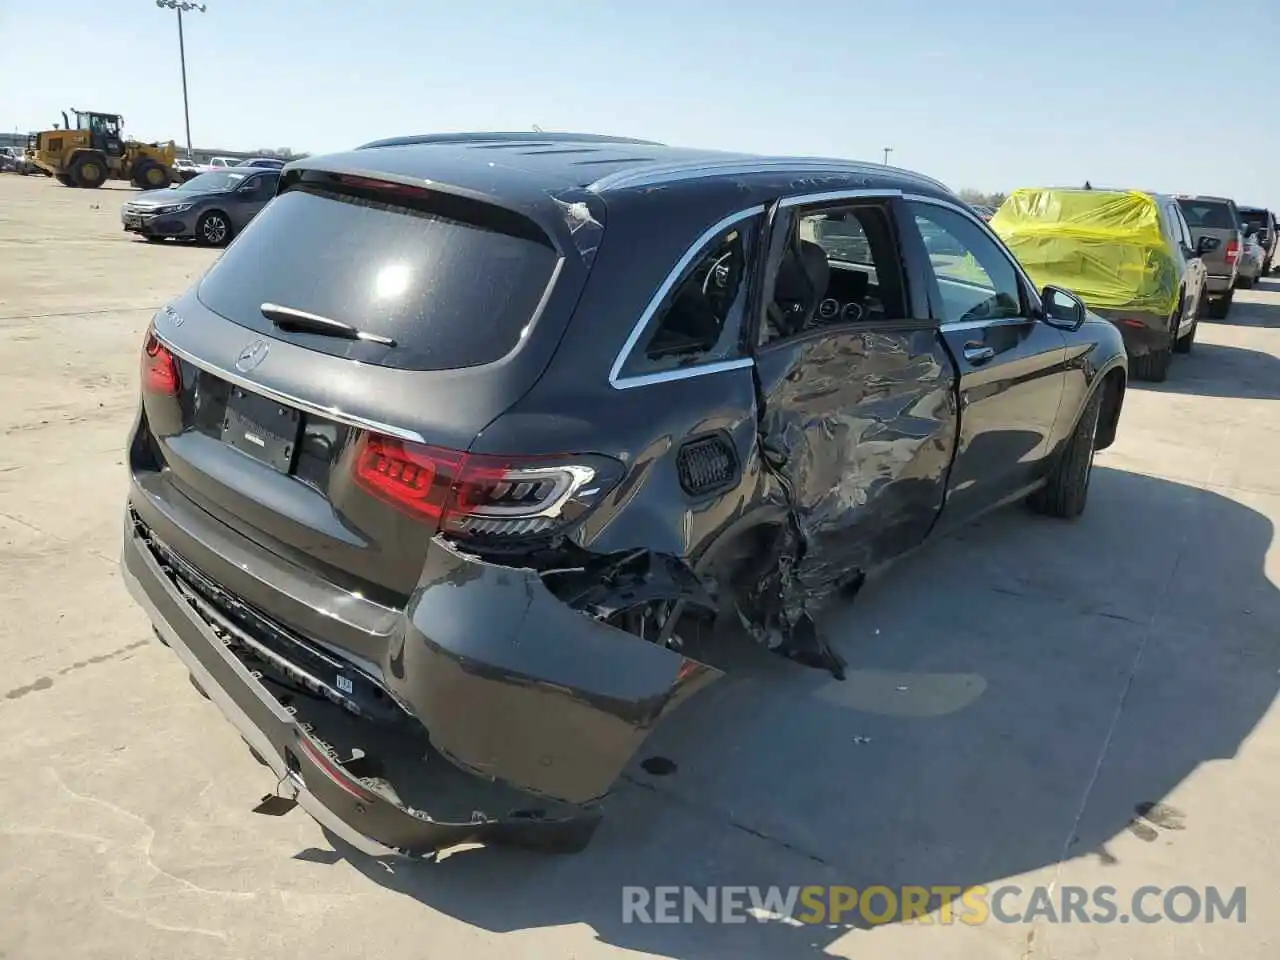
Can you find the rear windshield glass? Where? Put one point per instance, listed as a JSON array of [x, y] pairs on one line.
[[1257, 218], [451, 293], [1208, 214]]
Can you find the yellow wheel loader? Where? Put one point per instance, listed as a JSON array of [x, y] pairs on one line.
[[94, 151]]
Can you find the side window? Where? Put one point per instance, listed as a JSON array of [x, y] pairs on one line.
[[699, 319], [836, 265], [976, 278], [1180, 226], [267, 184]]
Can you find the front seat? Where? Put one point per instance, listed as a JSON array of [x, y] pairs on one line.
[[803, 277]]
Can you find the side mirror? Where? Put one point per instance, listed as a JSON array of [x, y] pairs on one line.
[[1062, 308], [1207, 245]]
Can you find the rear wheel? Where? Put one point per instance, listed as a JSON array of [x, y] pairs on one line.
[[1184, 343], [88, 172], [1218, 309], [1154, 366], [1067, 489], [214, 229], [150, 175]]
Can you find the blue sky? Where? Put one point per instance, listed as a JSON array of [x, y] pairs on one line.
[[981, 93]]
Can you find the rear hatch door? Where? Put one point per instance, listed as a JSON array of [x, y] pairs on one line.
[[1216, 219], [463, 302]]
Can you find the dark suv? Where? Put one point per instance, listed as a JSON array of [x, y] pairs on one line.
[[442, 468]]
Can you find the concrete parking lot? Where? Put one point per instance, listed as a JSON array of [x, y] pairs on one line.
[[1032, 702]]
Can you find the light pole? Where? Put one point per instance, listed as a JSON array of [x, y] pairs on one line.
[[183, 6], [887, 150]]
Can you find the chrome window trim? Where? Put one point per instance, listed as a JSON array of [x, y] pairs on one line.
[[718, 366], [660, 173], [683, 373], [333, 413], [616, 380], [831, 196], [959, 208]]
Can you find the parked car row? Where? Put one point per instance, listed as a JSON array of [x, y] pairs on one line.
[[185, 169], [442, 470], [1153, 264], [13, 160]]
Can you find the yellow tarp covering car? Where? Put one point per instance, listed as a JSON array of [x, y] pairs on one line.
[[1104, 245]]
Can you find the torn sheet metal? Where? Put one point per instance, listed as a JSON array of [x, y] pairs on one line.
[[857, 429]]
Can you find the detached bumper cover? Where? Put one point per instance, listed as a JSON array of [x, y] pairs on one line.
[[515, 685], [536, 705]]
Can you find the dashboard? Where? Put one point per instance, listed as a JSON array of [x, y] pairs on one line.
[[851, 295]]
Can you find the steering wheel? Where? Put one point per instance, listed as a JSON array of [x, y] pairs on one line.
[[720, 272]]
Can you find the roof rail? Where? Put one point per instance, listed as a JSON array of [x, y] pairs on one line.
[[523, 136], [732, 164]]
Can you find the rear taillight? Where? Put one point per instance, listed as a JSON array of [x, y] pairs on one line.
[[159, 368], [1233, 251], [479, 495]]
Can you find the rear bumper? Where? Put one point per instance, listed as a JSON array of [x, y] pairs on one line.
[[1219, 284], [1142, 332], [537, 706]]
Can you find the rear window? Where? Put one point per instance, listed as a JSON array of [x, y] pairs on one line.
[[451, 289], [1257, 218], [1208, 214]]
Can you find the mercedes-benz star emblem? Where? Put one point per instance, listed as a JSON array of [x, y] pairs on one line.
[[252, 355]]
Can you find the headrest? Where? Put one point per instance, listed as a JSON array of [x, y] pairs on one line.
[[804, 276]]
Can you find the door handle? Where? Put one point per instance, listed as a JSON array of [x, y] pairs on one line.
[[978, 352]]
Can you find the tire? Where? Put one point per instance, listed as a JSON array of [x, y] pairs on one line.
[[1243, 282], [154, 239], [1218, 309], [1065, 493], [208, 231], [1154, 366], [88, 172], [149, 175], [1184, 343]]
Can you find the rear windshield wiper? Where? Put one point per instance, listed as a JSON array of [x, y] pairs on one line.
[[287, 318]]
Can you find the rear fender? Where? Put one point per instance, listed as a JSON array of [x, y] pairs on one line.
[[519, 686]]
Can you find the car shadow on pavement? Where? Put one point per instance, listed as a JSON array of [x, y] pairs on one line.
[[1254, 313], [1219, 370], [1018, 694]]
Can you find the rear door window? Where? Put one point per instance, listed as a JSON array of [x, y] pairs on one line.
[[699, 319], [455, 283], [976, 280]]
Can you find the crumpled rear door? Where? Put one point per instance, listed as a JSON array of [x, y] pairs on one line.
[[858, 413]]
